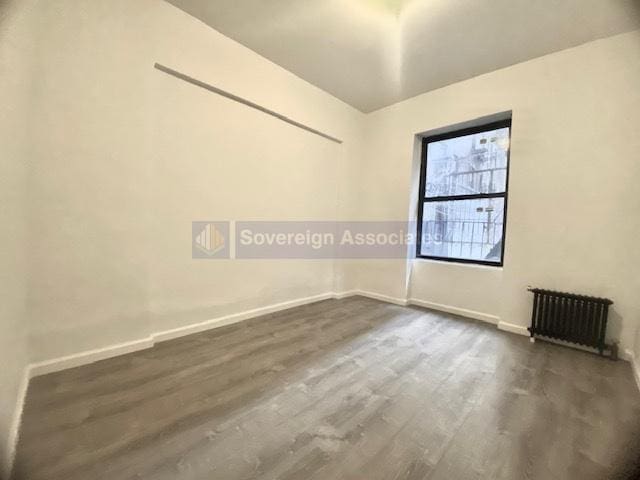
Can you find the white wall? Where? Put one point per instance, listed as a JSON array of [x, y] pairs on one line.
[[106, 161], [127, 156], [16, 52], [573, 202]]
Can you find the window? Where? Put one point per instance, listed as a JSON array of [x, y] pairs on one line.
[[463, 195]]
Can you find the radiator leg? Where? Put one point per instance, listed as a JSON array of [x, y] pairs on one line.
[[614, 351]]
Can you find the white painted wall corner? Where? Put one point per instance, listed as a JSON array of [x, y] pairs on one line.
[[629, 356], [14, 430]]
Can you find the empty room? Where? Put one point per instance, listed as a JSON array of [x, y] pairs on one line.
[[320, 239]]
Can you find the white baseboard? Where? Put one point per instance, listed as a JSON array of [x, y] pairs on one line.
[[236, 317], [513, 328], [12, 441], [380, 296], [89, 356], [346, 294], [463, 312]]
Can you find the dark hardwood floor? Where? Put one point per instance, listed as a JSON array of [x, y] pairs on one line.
[[339, 389]]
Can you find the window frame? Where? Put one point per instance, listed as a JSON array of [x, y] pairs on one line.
[[422, 197]]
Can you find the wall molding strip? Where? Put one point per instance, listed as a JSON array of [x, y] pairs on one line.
[[243, 101]]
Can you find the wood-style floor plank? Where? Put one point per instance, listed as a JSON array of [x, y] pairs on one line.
[[341, 389]]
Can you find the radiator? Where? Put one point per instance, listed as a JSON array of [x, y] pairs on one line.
[[578, 319]]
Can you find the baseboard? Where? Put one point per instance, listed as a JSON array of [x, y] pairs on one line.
[[463, 312], [89, 356], [346, 294], [236, 317], [380, 296], [513, 328], [12, 441]]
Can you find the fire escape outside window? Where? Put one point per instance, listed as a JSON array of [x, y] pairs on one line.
[[463, 195]]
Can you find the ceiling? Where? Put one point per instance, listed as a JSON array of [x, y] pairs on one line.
[[373, 53]]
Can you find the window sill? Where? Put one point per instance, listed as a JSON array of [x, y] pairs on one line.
[[493, 268]]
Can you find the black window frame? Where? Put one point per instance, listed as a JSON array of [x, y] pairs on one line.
[[422, 197]]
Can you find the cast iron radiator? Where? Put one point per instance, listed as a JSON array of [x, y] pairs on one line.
[[569, 317]]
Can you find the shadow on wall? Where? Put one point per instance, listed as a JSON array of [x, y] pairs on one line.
[[614, 325]]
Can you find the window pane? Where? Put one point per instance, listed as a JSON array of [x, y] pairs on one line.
[[468, 165], [463, 229]]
